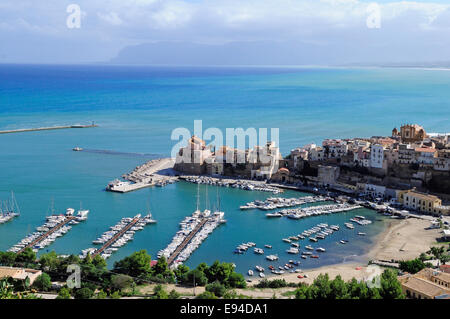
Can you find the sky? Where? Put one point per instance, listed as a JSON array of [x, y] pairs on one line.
[[324, 32]]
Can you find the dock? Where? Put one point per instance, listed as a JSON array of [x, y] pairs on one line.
[[48, 233], [115, 237], [48, 128], [158, 172], [183, 245], [194, 230]]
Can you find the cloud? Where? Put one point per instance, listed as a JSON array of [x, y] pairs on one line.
[[120, 23]]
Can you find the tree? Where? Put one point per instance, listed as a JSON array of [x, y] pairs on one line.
[[160, 293], [196, 276], [84, 293], [181, 273], [219, 271], [338, 288], [390, 286], [174, 295], [7, 258], [138, 264], [236, 281], [28, 256], [302, 292], [64, 293], [43, 282], [101, 295], [437, 252], [206, 295], [412, 266], [321, 288], [50, 261], [216, 288], [119, 282]]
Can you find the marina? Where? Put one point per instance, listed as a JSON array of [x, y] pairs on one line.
[[281, 202], [194, 230], [117, 236], [9, 209], [228, 182], [55, 226], [299, 213]]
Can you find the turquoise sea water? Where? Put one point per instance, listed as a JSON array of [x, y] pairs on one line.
[[137, 109]]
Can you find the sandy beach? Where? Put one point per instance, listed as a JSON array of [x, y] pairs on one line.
[[401, 240]]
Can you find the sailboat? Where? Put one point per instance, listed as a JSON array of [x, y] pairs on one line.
[[9, 209], [149, 218], [82, 213], [217, 211]]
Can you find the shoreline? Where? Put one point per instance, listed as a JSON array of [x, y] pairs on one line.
[[402, 239]]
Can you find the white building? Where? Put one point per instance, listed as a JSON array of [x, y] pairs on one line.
[[376, 155]]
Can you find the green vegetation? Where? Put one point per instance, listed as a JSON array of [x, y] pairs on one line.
[[43, 282], [324, 288], [413, 266], [222, 273], [274, 284]]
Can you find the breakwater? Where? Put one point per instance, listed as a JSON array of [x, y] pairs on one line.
[[48, 128]]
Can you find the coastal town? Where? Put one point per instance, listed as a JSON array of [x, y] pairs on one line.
[[409, 168], [404, 176]]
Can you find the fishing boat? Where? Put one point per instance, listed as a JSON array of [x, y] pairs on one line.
[[361, 234]]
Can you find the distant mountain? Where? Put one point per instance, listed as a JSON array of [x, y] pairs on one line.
[[269, 53]]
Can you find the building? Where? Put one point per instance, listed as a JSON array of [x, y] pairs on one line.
[[20, 273], [316, 154], [442, 161], [426, 284], [425, 156], [264, 161], [334, 148], [422, 202], [327, 175], [376, 155], [191, 158], [375, 191], [410, 133], [362, 157], [406, 154]]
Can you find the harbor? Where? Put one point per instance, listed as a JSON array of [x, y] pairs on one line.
[[118, 236], [298, 213], [48, 128], [193, 231], [234, 183], [156, 172], [55, 226], [281, 202]]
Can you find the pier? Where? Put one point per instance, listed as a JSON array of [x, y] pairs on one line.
[[48, 128], [48, 233], [282, 202], [244, 184], [157, 172], [298, 213], [116, 237], [194, 230], [183, 245]]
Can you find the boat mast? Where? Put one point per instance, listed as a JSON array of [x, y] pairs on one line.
[[198, 196], [14, 203]]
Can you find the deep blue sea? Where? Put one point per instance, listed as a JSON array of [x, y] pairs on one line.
[[138, 107]]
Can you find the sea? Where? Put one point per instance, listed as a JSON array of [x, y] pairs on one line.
[[138, 107]]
